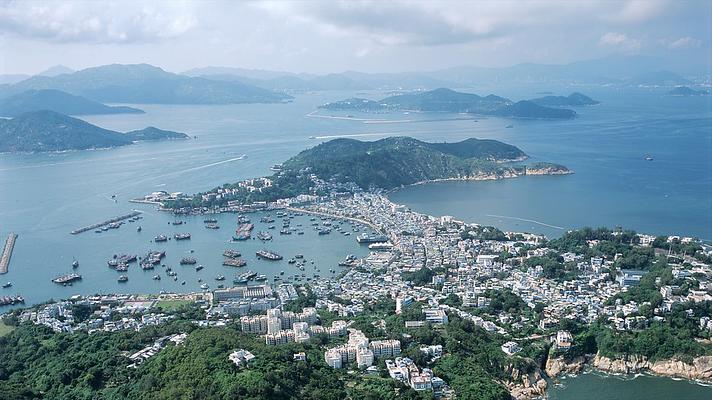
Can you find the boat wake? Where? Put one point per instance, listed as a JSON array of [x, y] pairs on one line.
[[526, 220]]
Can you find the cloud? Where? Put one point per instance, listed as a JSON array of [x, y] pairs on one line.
[[686, 42], [619, 41], [95, 22]]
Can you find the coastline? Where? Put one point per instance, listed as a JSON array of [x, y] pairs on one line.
[[632, 366], [507, 174]]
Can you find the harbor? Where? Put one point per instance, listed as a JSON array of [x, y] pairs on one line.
[[7, 253], [114, 220], [104, 257]]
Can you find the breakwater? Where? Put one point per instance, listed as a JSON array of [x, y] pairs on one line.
[[107, 222], [7, 253]]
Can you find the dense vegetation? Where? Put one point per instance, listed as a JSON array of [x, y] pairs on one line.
[[396, 161], [447, 100], [38, 363], [51, 131]]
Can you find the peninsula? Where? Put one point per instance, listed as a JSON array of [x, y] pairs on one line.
[[40, 131], [57, 101], [384, 164]]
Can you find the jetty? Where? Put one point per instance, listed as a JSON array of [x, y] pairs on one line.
[[7, 253], [132, 214]]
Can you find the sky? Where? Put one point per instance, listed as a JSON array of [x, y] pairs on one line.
[[335, 36]]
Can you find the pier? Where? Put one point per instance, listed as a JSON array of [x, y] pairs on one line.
[[7, 253], [107, 222]]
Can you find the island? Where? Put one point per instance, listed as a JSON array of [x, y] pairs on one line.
[[42, 131], [685, 91], [447, 100], [384, 164], [57, 101], [574, 99], [146, 84]]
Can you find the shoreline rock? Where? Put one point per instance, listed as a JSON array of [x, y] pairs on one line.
[[699, 370]]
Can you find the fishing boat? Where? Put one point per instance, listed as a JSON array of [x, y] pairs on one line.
[[6, 285], [75, 264], [231, 253], [268, 255], [123, 278]]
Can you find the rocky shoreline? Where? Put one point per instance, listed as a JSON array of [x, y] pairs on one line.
[[493, 176], [534, 384]]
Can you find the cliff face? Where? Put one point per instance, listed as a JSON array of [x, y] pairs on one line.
[[700, 369], [526, 385], [556, 366]]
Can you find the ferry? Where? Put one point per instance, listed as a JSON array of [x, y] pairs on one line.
[[182, 236], [268, 255], [64, 279], [123, 278], [366, 238]]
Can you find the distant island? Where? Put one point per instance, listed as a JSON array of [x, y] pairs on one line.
[[573, 100], [447, 100], [386, 164], [687, 91], [146, 84], [58, 101], [41, 131]]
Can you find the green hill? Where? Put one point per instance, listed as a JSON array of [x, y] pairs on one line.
[[447, 100], [58, 101], [396, 161], [50, 131]]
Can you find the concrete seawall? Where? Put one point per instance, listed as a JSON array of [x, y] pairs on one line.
[[7, 253]]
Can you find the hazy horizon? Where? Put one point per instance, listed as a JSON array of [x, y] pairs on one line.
[[358, 36]]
